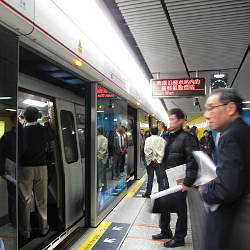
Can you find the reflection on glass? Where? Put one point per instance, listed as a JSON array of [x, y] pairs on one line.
[[112, 146], [144, 131], [69, 136]]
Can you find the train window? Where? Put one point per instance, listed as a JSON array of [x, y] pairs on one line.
[[69, 136]]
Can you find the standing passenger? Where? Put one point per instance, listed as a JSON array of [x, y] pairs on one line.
[[125, 149], [102, 156], [33, 173], [178, 151], [154, 153], [207, 143], [229, 226], [162, 130], [117, 152]]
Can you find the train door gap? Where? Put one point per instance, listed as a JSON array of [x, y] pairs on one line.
[[46, 107]]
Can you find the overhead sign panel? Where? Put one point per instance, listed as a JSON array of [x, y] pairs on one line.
[[178, 87]]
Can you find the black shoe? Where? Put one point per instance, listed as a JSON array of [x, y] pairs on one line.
[[173, 243], [162, 236], [146, 195]]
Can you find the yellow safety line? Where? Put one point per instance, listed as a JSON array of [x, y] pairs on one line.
[[95, 236], [135, 188]]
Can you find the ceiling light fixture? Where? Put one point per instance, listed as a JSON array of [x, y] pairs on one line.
[[246, 102], [35, 103], [13, 110], [5, 97], [219, 75], [77, 62]]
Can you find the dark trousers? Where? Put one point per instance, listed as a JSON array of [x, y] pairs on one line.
[[11, 202], [161, 177], [180, 208], [122, 163], [117, 158]]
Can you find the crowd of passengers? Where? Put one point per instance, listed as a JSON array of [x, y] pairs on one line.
[[228, 227]]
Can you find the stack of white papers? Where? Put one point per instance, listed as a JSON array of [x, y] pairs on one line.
[[206, 173]]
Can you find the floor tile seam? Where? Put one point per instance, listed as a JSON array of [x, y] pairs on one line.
[[142, 238], [125, 237]]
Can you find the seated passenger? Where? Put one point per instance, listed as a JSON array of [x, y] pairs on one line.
[[33, 173]]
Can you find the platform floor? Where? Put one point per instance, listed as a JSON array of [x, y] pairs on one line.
[[136, 225]]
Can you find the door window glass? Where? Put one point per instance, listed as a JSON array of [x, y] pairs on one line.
[[69, 136]]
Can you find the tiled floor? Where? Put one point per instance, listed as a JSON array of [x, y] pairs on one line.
[[143, 224]]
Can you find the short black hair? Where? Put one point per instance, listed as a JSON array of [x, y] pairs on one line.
[[205, 131], [31, 114], [154, 130], [177, 112], [100, 130], [162, 124], [230, 95], [117, 124]]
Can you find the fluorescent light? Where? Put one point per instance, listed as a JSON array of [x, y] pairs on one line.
[[35, 103], [100, 111], [5, 97], [13, 110], [246, 102], [246, 108], [115, 120], [220, 75]]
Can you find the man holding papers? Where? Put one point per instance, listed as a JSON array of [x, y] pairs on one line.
[[178, 151], [228, 227]]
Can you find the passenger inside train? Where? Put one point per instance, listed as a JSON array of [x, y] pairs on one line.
[[96, 97]]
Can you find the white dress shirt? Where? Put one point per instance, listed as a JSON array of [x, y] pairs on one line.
[[102, 148], [154, 149]]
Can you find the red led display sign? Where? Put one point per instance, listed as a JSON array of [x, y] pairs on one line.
[[178, 87], [104, 93]]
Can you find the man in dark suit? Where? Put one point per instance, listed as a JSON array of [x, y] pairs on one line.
[[117, 151], [231, 188]]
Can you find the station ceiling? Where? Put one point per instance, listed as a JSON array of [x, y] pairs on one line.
[[177, 38]]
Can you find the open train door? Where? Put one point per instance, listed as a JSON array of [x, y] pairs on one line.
[[73, 168]]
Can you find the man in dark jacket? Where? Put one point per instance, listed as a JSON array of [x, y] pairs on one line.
[[229, 226], [8, 166], [33, 174], [117, 152], [207, 143], [178, 151]]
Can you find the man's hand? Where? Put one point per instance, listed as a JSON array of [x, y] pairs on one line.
[[45, 118], [185, 188]]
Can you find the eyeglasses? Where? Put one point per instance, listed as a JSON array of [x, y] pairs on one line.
[[210, 109]]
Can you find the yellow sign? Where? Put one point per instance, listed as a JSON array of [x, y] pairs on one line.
[[80, 47], [2, 128], [95, 236]]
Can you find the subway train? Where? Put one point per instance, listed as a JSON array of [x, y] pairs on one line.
[[56, 67]]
